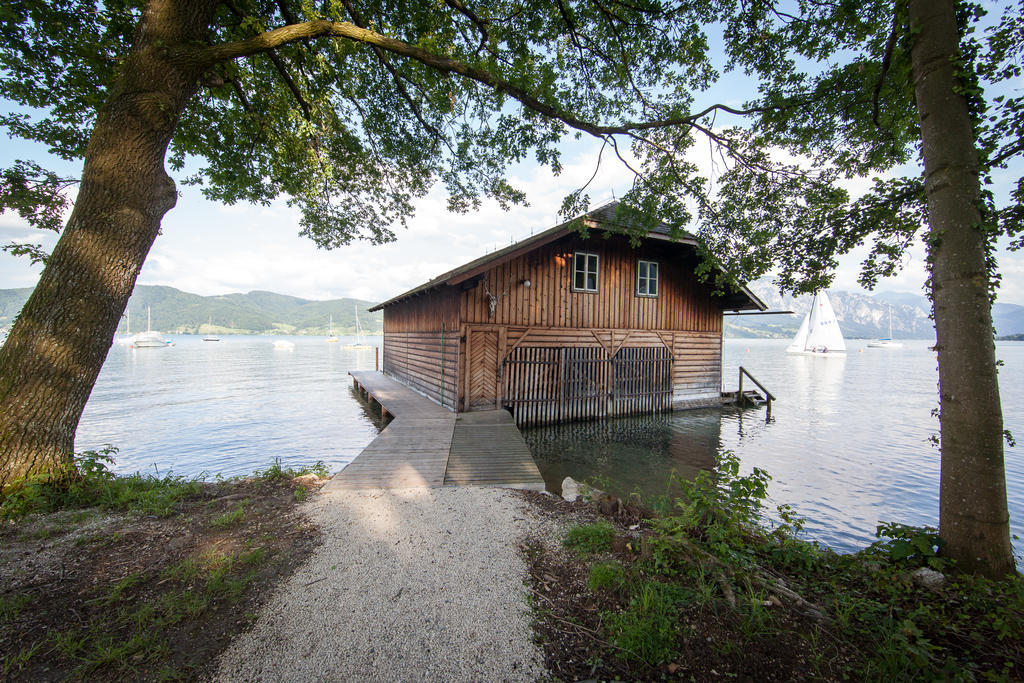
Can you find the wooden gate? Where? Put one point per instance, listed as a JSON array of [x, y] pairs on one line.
[[555, 384], [643, 380], [482, 370]]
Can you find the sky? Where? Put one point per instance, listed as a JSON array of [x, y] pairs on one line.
[[207, 248]]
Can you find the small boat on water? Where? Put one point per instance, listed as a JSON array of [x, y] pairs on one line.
[[330, 332], [149, 339], [819, 333], [211, 336], [283, 345], [360, 335], [887, 342]]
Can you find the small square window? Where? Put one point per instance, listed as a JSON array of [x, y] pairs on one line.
[[584, 272], [647, 278]]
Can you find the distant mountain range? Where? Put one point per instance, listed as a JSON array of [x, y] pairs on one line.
[[178, 312], [860, 316], [174, 311]]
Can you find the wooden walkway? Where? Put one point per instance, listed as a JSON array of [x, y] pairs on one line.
[[427, 445]]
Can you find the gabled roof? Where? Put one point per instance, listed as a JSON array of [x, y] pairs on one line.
[[603, 215]]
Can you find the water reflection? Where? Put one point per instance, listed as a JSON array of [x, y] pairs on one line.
[[630, 453]]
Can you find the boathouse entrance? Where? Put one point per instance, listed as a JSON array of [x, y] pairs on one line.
[[552, 384], [482, 377]]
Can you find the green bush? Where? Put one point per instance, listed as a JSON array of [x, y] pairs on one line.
[[591, 538], [910, 545]]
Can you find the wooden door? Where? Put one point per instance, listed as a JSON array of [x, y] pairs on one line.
[[482, 353]]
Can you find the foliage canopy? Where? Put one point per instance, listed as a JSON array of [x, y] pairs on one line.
[[353, 129]]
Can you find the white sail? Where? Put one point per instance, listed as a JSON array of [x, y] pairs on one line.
[[800, 340], [819, 333]]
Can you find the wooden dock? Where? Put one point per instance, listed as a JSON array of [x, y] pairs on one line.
[[427, 445]]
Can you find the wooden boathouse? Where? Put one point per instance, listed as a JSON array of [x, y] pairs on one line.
[[562, 327]]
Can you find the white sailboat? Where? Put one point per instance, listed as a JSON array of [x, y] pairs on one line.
[[331, 337], [360, 335], [210, 336], [887, 342], [819, 333], [149, 339]]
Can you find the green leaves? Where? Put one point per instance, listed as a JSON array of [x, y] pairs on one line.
[[353, 134], [39, 197]]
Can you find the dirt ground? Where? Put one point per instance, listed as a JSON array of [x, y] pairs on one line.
[[86, 594]]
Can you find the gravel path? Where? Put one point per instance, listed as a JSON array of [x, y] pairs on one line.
[[409, 584]]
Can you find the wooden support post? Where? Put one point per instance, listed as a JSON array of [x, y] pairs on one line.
[[376, 359]]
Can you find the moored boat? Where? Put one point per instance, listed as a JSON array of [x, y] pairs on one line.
[[150, 339], [886, 342]]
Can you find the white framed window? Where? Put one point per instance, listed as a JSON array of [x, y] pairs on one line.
[[647, 278], [584, 271]]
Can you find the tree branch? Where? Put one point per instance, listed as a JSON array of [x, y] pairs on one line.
[[343, 29], [481, 25], [890, 45], [403, 92], [246, 107], [278, 63], [283, 70]]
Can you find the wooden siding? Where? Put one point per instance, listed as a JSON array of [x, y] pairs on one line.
[[683, 303], [421, 345], [697, 372]]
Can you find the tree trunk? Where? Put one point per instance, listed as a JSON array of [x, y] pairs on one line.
[[973, 515], [58, 344]]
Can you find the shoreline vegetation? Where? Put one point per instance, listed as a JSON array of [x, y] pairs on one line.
[[151, 577], [700, 586], [142, 576]]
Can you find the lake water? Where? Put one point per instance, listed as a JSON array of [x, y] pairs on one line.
[[229, 407], [849, 444]]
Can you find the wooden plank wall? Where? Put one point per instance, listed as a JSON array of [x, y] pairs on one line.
[[421, 344], [697, 372], [683, 303]]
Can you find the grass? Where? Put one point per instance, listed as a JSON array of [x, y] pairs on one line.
[[11, 606], [607, 576], [591, 538], [91, 484], [148, 622], [648, 628], [230, 518], [129, 628], [277, 472]]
